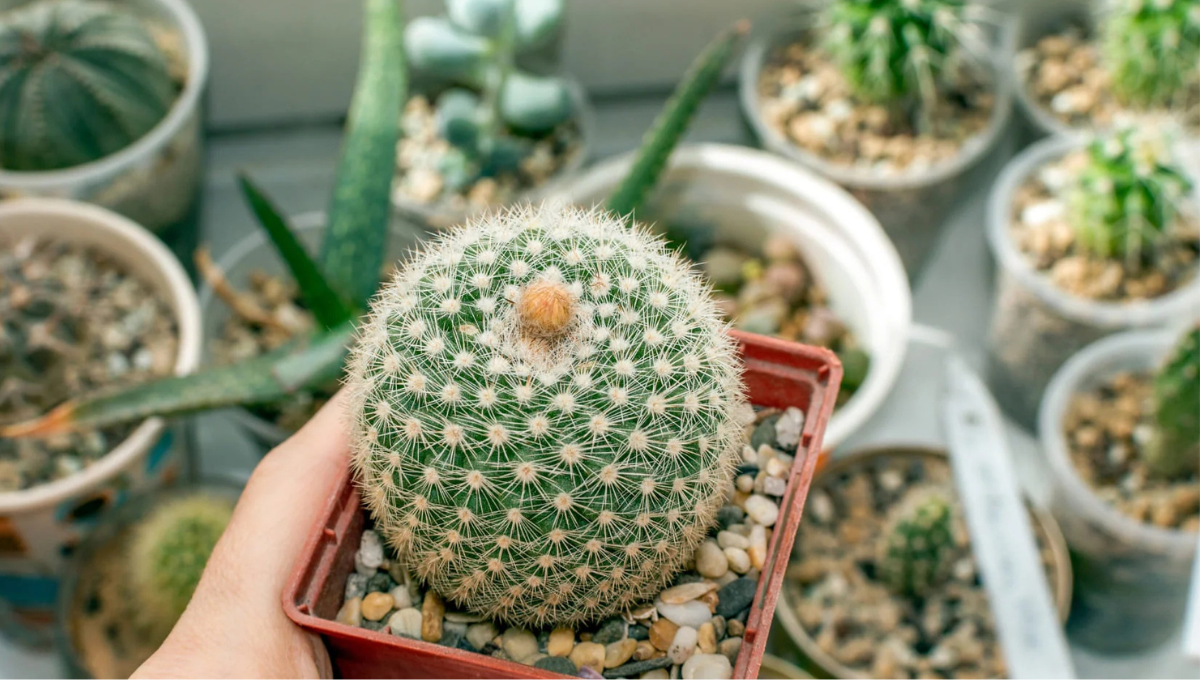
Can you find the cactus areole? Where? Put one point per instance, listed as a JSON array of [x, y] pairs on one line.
[[546, 414]]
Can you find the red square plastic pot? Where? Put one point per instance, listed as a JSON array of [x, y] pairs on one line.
[[777, 373]]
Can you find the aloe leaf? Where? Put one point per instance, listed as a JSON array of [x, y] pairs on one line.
[[356, 238], [320, 298], [263, 379], [673, 121]]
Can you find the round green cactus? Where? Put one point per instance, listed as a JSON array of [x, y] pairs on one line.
[[1126, 198], [917, 551], [546, 412], [168, 553], [1174, 450], [79, 80], [901, 52], [1152, 48]]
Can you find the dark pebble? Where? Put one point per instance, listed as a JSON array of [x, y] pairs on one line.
[[765, 432], [380, 583], [356, 586], [718, 623], [465, 644], [747, 469], [742, 616], [450, 638], [543, 639], [610, 631], [632, 670], [639, 632], [375, 625], [735, 596], [688, 577], [729, 515], [489, 649], [556, 664]]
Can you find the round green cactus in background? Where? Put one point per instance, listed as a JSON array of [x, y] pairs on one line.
[[546, 414], [1174, 449], [917, 550], [168, 553], [79, 80], [1152, 48]]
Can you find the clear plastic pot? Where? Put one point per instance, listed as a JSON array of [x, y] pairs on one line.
[[911, 205], [1035, 325], [1131, 579], [255, 253], [1036, 21], [156, 180]]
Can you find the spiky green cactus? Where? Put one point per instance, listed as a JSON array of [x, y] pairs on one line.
[[476, 44], [168, 553], [903, 53], [79, 80], [917, 550], [1127, 196], [1174, 449], [546, 413], [1152, 48]]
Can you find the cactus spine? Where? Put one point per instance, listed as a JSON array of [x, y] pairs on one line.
[[545, 414], [1153, 51], [903, 53], [916, 552], [1174, 450], [1126, 198], [78, 81], [168, 554]]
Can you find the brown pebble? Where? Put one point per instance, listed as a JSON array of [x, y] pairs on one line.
[[588, 654], [706, 638], [644, 650], [351, 612], [662, 633], [687, 592], [617, 653], [432, 611], [711, 599], [375, 606], [734, 628]]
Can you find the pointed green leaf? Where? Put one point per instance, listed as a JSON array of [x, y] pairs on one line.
[[356, 239], [672, 122], [320, 298]]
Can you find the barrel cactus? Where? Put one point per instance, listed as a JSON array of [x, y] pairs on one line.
[[1174, 449], [902, 53], [475, 46], [168, 553], [1152, 48], [917, 550], [79, 80], [546, 414]]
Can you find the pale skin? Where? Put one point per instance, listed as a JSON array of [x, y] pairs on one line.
[[235, 625]]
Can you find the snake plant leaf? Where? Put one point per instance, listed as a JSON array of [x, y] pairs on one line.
[[355, 240], [437, 47], [320, 298], [673, 121], [537, 21], [263, 379], [533, 103]]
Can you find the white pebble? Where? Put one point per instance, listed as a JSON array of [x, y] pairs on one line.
[[739, 561], [479, 634], [762, 510], [774, 486], [728, 539], [370, 550], [689, 614], [400, 597], [711, 561], [776, 467], [406, 622], [1042, 212], [788, 428], [684, 645], [704, 666], [518, 644], [745, 483], [749, 455]]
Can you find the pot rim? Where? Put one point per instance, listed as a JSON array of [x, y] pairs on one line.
[[1182, 301], [1063, 574], [1088, 365], [1025, 36], [192, 31], [125, 241], [971, 152], [887, 290]]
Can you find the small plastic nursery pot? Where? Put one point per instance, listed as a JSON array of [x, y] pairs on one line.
[[822, 664], [40, 526], [85, 649], [911, 204], [1035, 325], [255, 253], [777, 374], [1132, 578], [156, 180], [748, 194], [775, 668], [1036, 21], [442, 216]]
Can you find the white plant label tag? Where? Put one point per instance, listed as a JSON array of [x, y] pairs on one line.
[[1191, 624], [1001, 536]]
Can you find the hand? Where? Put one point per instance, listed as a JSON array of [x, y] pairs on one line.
[[235, 625]]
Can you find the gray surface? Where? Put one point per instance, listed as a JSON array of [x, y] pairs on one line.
[[953, 295]]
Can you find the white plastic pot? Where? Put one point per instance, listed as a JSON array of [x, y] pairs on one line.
[[1036, 21], [255, 253], [911, 204], [156, 180], [1035, 325], [39, 526], [1131, 578], [747, 194]]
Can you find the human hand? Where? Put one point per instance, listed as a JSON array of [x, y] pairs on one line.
[[235, 625]]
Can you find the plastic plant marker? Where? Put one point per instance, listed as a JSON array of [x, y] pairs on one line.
[[1001, 538]]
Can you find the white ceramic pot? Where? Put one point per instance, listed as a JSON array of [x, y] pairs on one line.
[[40, 526], [1035, 325], [747, 194], [1131, 578], [912, 204], [156, 180]]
